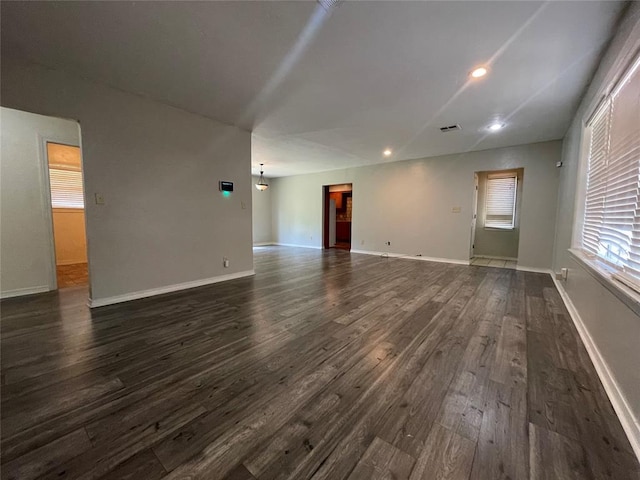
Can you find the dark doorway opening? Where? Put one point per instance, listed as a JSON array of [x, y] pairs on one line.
[[337, 215]]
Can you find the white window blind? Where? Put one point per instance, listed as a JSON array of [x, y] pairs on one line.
[[66, 188], [500, 204], [612, 216]]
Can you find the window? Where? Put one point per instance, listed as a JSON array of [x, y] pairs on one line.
[[611, 228], [66, 188], [65, 176], [500, 204]]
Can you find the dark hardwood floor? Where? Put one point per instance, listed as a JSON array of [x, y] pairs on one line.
[[325, 365]]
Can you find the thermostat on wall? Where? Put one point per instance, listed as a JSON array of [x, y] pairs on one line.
[[226, 186]]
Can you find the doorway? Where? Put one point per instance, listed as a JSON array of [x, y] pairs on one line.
[[68, 214], [337, 215], [495, 227]]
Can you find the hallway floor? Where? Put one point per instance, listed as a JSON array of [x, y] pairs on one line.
[[493, 262], [74, 275]]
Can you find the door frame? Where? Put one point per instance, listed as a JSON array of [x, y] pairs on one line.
[[325, 213], [325, 216], [474, 216], [45, 183]]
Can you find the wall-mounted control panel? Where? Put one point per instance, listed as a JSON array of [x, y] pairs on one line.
[[225, 186]]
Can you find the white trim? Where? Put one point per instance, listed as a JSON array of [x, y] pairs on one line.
[[101, 302], [263, 244], [317, 247], [630, 424], [523, 268], [18, 292], [45, 189], [413, 257]]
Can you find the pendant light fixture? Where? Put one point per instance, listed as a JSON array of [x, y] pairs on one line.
[[262, 184]]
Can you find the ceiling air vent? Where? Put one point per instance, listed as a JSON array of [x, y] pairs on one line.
[[450, 128], [328, 4]]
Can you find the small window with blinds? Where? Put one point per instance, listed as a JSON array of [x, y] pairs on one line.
[[500, 203], [66, 188], [65, 176], [611, 229]]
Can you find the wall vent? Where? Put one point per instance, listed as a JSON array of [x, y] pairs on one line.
[[328, 4], [450, 128]]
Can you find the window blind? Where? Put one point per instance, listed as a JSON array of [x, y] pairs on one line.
[[612, 216], [66, 188], [596, 179], [500, 204]]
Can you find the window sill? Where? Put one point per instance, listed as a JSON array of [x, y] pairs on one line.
[[67, 210], [604, 275]]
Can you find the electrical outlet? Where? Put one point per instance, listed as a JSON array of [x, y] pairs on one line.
[[225, 262], [99, 199], [387, 243]]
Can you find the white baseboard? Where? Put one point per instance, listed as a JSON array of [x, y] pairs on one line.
[[101, 302], [630, 424], [295, 245], [18, 292], [263, 244], [413, 257], [523, 268]]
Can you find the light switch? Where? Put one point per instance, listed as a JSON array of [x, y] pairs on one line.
[[243, 205], [99, 199]]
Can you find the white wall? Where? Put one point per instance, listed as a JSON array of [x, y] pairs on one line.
[[410, 203], [26, 248], [613, 327], [164, 222], [261, 213], [614, 330]]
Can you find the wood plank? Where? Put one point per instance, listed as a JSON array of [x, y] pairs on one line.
[[108, 455], [549, 392], [383, 461], [503, 444], [445, 456], [462, 409], [510, 363], [554, 456], [41, 460], [240, 473], [143, 466]]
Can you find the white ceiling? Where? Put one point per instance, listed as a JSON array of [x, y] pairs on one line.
[[324, 90]]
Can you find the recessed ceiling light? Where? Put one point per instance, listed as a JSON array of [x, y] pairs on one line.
[[387, 152], [494, 127], [479, 72]]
